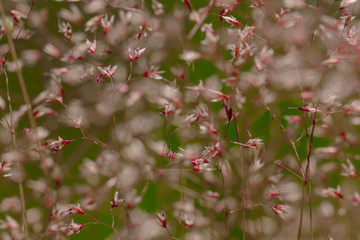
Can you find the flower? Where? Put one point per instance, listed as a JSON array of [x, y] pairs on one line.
[[115, 201], [55, 146], [283, 211], [162, 219], [349, 170], [107, 71], [135, 53], [91, 45], [72, 228]]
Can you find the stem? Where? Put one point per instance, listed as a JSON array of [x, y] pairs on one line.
[[307, 172], [242, 181], [22, 197], [301, 211]]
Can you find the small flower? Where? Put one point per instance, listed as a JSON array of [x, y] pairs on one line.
[[171, 155], [207, 128], [162, 219], [346, 3], [100, 78], [282, 210], [232, 20], [254, 143], [356, 197], [93, 23], [17, 15], [106, 24], [135, 53], [55, 146], [332, 192], [213, 194], [274, 193], [349, 170], [153, 73], [108, 71], [74, 209], [51, 50], [307, 108], [91, 45], [190, 56], [66, 29], [157, 7], [115, 201], [72, 228]]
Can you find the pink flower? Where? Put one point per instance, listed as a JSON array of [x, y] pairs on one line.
[[115, 201], [93, 23], [346, 3], [66, 29], [106, 24], [74, 209], [91, 45], [108, 71], [72, 228], [307, 108], [232, 20], [135, 53], [153, 73], [162, 219], [349, 170], [17, 15], [55, 146], [283, 211], [332, 192]]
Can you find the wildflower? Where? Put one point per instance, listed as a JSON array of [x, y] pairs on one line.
[[162, 219], [307, 108], [73, 15], [108, 71], [332, 192], [93, 23], [349, 170], [274, 193], [346, 3], [55, 146], [171, 155], [135, 53], [232, 20], [153, 73], [74, 209], [17, 15], [190, 56], [91, 45], [106, 24], [51, 50], [282, 210], [72, 228], [9, 223], [254, 143], [157, 7], [66, 29], [115, 201], [212, 194], [100, 78], [208, 128], [256, 166], [188, 219], [356, 197]]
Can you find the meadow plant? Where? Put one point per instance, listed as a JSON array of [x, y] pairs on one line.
[[181, 119]]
